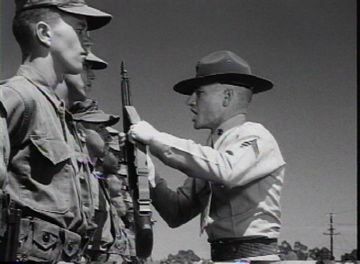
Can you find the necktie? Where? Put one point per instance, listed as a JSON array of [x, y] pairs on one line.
[[205, 218]]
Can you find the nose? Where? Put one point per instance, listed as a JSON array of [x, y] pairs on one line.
[[191, 100]]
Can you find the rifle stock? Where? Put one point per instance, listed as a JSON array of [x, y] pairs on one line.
[[135, 156]]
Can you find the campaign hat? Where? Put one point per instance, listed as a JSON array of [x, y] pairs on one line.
[[95, 17], [88, 111], [223, 67]]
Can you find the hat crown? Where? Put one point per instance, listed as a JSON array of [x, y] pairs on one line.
[[95, 17], [222, 62], [87, 105], [223, 67], [25, 4]]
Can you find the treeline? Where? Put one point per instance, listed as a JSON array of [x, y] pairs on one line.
[[297, 251], [300, 251]]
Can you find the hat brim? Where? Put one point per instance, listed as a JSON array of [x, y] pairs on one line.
[[96, 62], [256, 84], [97, 118], [95, 18]]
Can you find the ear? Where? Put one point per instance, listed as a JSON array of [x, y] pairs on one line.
[[228, 95], [43, 33]]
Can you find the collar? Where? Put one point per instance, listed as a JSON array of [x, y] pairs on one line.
[[39, 80], [234, 121]]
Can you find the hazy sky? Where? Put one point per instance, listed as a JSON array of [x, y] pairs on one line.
[[306, 47]]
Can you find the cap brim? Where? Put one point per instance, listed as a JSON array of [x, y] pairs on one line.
[[115, 147], [95, 18], [96, 62], [94, 117], [256, 84], [112, 130]]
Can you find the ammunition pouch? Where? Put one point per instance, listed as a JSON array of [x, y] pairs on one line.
[[120, 245], [42, 241]]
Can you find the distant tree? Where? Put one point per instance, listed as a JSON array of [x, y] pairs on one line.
[[314, 253], [300, 250], [325, 254], [349, 256], [182, 257], [286, 252]]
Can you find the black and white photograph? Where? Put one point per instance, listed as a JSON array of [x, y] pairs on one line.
[[178, 131]]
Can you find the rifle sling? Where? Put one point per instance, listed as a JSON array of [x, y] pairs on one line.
[[143, 184], [142, 170]]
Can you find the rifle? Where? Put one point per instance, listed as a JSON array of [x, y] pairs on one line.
[[10, 228], [135, 156]]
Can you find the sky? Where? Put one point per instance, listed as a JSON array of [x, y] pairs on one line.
[[306, 47]]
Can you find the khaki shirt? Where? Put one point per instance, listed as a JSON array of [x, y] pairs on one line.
[[43, 169], [245, 169], [4, 143]]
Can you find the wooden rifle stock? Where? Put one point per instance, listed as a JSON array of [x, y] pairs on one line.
[[135, 156]]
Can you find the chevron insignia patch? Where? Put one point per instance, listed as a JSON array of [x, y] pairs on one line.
[[253, 144]]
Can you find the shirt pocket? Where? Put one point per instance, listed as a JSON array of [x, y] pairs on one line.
[[50, 186]]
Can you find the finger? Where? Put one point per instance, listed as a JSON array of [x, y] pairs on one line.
[[132, 140]]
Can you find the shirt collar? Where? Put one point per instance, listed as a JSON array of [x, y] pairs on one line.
[[33, 74], [234, 121], [40, 81]]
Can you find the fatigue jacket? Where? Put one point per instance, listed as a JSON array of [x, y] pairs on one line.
[[4, 143], [244, 171], [43, 169]]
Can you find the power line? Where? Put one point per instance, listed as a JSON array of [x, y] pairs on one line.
[[331, 234]]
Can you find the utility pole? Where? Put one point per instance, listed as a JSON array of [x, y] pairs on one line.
[[331, 234]]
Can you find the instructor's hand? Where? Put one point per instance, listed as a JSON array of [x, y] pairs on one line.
[[142, 132]]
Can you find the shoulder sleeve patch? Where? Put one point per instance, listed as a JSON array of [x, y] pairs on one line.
[[253, 144]]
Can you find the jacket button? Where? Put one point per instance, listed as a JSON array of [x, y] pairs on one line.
[[46, 237], [70, 247]]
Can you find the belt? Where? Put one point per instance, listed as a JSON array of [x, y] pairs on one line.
[[93, 256], [231, 249]]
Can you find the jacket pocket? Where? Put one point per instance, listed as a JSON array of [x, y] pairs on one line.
[[54, 150], [40, 241], [50, 186], [72, 245]]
